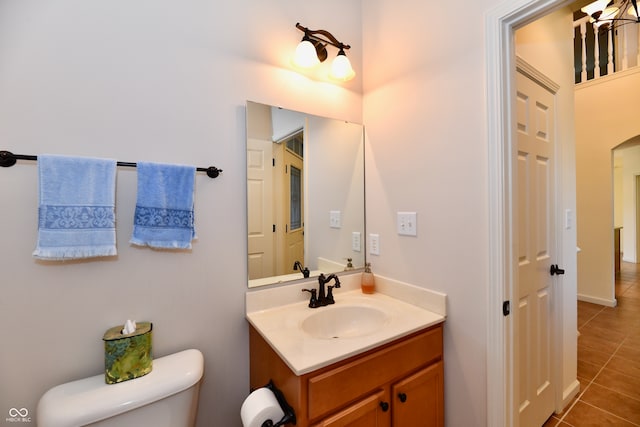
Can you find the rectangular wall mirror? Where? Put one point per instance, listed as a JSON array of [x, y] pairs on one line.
[[305, 195]]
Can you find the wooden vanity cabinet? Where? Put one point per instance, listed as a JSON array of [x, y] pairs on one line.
[[397, 384], [367, 412], [419, 399]]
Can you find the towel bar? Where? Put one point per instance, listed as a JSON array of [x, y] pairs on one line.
[[8, 159]]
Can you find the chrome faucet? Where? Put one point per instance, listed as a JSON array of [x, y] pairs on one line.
[[323, 298]]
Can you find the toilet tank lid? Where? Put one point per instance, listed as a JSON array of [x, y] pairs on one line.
[[90, 400]]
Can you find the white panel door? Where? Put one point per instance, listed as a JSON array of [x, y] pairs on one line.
[[535, 198], [260, 217]]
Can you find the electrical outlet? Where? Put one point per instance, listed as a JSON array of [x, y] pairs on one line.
[[355, 241], [374, 244], [407, 223], [335, 220]]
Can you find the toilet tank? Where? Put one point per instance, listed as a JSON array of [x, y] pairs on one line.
[[166, 397]]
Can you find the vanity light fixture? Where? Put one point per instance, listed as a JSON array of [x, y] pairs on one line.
[[312, 50]]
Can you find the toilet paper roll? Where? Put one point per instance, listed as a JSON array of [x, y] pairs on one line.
[[261, 405]]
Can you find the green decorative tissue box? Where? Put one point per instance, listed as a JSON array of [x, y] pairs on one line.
[[127, 356]]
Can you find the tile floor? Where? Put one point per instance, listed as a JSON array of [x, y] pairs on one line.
[[608, 360]]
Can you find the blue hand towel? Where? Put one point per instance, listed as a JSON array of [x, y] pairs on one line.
[[164, 208], [76, 216]]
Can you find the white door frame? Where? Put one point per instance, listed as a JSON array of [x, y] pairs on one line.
[[500, 24]]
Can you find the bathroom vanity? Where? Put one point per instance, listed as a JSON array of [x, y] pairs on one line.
[[376, 371], [398, 384]]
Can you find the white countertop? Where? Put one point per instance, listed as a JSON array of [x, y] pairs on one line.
[[277, 314]]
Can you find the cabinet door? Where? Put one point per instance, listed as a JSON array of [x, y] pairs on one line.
[[372, 411], [418, 400]]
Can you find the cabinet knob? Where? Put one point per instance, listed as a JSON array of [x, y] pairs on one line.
[[384, 406], [402, 397]]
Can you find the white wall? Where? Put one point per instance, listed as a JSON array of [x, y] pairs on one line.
[[606, 116], [424, 115], [334, 182], [424, 112], [161, 80], [618, 195]]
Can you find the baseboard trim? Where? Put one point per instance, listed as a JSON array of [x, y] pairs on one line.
[[569, 393], [596, 300]]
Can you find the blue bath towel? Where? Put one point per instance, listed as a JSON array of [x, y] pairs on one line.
[[164, 208], [76, 216]]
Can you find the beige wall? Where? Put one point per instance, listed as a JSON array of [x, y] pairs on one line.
[[606, 116], [626, 158]]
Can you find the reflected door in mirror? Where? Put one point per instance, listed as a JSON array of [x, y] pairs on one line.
[[260, 219], [292, 234]]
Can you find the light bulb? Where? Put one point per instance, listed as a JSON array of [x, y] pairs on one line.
[[341, 68], [306, 55]]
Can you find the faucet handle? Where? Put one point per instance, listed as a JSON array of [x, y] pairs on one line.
[[329, 299], [304, 270], [313, 301]]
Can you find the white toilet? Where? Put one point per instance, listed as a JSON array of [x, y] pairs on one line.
[[165, 397]]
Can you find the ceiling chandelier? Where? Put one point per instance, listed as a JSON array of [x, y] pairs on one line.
[[614, 13]]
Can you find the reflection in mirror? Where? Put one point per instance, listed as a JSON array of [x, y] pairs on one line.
[[305, 195]]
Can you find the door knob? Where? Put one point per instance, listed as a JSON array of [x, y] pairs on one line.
[[384, 406], [555, 270], [402, 397]]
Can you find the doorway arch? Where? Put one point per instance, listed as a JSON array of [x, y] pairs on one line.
[[626, 192]]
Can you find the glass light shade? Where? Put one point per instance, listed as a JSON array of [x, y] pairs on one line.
[[606, 17], [609, 13], [306, 55], [596, 6], [341, 68], [632, 12]]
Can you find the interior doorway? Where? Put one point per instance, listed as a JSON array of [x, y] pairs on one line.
[[502, 405], [626, 202]]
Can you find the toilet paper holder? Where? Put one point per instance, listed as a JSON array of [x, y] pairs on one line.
[[289, 414]]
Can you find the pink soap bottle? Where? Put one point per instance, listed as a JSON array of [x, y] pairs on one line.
[[368, 284]]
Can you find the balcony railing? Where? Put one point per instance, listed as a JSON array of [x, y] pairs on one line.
[[604, 51]]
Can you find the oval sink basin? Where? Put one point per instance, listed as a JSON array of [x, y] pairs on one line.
[[343, 322]]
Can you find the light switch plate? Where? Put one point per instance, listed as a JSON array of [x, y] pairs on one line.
[[374, 244], [335, 219], [568, 219], [355, 241], [407, 223]]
